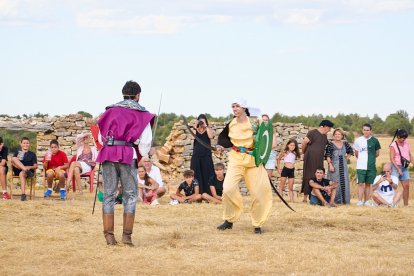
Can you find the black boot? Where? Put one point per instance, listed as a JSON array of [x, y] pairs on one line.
[[225, 225], [258, 230]]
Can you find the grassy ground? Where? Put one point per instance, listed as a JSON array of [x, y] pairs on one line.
[[50, 237]]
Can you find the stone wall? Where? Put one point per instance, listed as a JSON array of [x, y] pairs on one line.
[[174, 156]]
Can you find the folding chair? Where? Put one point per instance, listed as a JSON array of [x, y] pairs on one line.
[[12, 177]]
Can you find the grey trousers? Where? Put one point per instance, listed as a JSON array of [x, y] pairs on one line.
[[112, 173]]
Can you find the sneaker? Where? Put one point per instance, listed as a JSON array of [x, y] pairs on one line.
[[360, 203], [48, 193], [186, 201], [258, 230], [174, 202], [29, 173], [155, 202], [62, 194], [6, 196], [225, 225], [369, 204], [23, 197]]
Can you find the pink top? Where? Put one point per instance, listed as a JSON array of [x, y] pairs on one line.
[[289, 158], [405, 151]]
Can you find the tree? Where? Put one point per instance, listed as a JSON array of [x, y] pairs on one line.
[[85, 114], [398, 120]]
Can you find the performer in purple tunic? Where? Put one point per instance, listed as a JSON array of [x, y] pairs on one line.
[[125, 130]]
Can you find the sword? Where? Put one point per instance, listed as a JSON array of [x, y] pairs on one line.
[[96, 192], [281, 197]]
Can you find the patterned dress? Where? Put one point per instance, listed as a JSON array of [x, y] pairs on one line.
[[340, 175]]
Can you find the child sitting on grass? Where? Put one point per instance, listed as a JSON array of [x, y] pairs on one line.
[[191, 190]]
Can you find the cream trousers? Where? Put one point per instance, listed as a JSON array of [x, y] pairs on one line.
[[258, 184]]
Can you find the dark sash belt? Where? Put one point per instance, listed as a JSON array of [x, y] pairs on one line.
[[121, 143]]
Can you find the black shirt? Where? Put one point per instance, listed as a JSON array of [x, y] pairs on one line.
[[3, 153], [188, 190], [213, 181], [324, 183], [29, 158]]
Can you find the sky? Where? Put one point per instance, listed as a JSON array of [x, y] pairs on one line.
[[295, 57]]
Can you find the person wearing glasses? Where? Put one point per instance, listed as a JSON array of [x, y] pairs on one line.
[[366, 149], [385, 188], [401, 157]]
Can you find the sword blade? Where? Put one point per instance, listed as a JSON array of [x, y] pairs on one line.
[[279, 195]]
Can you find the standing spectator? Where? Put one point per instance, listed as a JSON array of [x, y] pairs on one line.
[[155, 173], [385, 188], [125, 129], [190, 188], [271, 162], [201, 160], [24, 164], [323, 190], [367, 149], [289, 156], [337, 154], [4, 151], [216, 185], [401, 157], [55, 163], [313, 148]]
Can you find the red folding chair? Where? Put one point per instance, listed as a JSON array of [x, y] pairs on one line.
[[89, 175]]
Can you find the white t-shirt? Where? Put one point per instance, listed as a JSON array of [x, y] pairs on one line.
[[361, 146], [155, 174], [384, 188]]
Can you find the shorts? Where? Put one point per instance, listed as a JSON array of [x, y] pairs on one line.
[[16, 171], [313, 200], [85, 167], [271, 162], [289, 173], [405, 173], [56, 177], [366, 176]]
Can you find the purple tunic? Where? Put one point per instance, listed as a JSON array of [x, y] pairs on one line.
[[123, 124]]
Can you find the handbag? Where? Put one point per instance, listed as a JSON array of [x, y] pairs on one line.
[[404, 162]]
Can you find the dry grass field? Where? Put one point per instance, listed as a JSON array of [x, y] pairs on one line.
[[53, 237]]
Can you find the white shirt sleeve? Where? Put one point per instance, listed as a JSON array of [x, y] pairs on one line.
[[155, 174], [145, 141]]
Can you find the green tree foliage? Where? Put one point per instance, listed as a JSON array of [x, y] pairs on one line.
[[12, 139], [85, 114], [397, 120]]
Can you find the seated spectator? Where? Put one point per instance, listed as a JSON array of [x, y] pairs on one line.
[[4, 151], [147, 187], [154, 172], [191, 190], [323, 190], [85, 160], [55, 163], [24, 164], [384, 187], [216, 185]]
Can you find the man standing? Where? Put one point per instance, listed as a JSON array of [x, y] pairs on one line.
[[125, 129], [366, 150]]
